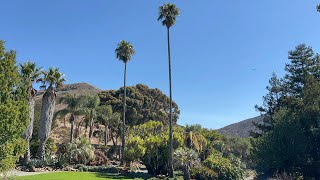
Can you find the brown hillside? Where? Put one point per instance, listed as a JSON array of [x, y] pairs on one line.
[[242, 128]]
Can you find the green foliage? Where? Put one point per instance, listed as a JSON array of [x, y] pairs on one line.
[[152, 139], [80, 152], [135, 148], [225, 167], [284, 146], [143, 104], [290, 136], [13, 110], [203, 173], [185, 159], [167, 14], [124, 51]]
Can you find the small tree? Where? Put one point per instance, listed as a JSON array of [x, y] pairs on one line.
[[185, 159]]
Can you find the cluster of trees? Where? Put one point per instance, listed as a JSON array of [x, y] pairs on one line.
[[200, 153], [290, 135], [17, 106]]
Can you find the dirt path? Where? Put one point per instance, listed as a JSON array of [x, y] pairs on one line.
[[22, 173]]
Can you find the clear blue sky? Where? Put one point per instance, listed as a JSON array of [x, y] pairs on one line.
[[215, 46]]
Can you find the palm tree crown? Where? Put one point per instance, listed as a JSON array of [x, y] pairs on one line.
[[30, 72], [52, 77], [167, 14], [124, 51], [318, 7]]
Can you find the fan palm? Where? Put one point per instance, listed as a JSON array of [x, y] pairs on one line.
[[167, 15], [52, 79], [104, 116], [74, 108], [124, 52], [91, 104], [31, 74]]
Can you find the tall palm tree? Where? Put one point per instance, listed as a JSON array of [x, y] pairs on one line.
[[124, 52], [51, 80], [104, 116], [31, 74], [74, 108], [167, 14]]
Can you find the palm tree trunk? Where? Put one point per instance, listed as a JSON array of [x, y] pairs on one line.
[[47, 111], [106, 135], [72, 119], [91, 125], [170, 164], [28, 133], [124, 116]]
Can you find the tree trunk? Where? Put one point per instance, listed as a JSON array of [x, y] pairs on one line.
[[47, 110], [123, 129], [28, 133], [106, 135], [72, 119], [186, 174], [90, 128], [170, 164]]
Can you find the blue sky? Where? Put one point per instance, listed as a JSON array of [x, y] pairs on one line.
[[215, 46]]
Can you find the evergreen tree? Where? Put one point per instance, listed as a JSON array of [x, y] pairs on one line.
[[13, 110]]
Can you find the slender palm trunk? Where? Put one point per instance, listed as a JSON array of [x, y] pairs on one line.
[[106, 137], [28, 133], [72, 119], [170, 164], [91, 125], [47, 110], [123, 129]]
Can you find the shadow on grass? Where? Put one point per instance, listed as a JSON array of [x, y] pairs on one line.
[[139, 175]]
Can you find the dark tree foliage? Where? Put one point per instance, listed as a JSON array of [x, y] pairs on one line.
[[290, 134], [143, 104]]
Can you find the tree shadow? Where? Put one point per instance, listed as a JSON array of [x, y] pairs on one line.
[[130, 175]]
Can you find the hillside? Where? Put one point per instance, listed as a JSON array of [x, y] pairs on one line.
[[242, 128], [61, 127]]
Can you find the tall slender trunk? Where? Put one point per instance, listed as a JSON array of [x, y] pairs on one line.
[[47, 110], [91, 125], [170, 164], [123, 129], [28, 133], [106, 137], [72, 119]]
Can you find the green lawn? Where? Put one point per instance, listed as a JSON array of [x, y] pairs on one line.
[[72, 176]]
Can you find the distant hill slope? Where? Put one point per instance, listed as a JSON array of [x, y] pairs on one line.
[[60, 132], [242, 128]]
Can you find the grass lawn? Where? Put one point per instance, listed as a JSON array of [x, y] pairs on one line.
[[72, 176]]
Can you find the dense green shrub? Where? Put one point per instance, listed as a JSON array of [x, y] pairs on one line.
[[203, 173], [225, 167]]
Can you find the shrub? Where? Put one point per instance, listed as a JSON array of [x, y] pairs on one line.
[[224, 166], [203, 173], [80, 152], [185, 159]]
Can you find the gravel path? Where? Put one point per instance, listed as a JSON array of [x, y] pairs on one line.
[[23, 173]]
